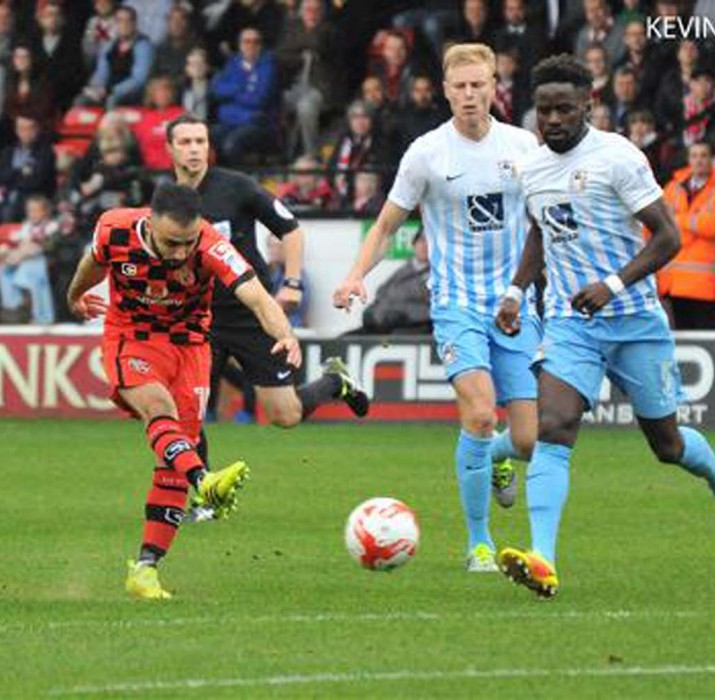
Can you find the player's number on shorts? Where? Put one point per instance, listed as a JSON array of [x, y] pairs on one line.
[[202, 395]]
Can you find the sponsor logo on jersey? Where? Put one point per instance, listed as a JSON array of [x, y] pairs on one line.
[[507, 169], [560, 221], [139, 365], [156, 290], [578, 181], [129, 270], [228, 255], [485, 212]]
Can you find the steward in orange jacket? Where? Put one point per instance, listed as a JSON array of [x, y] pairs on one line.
[[688, 281]]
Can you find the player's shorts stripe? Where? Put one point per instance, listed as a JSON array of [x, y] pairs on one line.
[[118, 360]]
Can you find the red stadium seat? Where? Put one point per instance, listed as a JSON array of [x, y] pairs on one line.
[[7, 230], [73, 147], [80, 122]]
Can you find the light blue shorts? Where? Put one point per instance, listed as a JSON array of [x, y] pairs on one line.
[[468, 340], [636, 352]]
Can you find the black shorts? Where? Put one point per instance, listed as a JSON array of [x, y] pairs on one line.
[[251, 348]]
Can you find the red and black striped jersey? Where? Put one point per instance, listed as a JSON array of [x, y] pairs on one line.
[[149, 299]]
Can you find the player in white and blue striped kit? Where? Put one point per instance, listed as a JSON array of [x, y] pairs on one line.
[[462, 176], [588, 192]]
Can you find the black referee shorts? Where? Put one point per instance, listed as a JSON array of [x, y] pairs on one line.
[[251, 348]]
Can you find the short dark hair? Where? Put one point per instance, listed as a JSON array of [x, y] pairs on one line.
[[129, 10], [178, 202], [563, 68], [183, 119]]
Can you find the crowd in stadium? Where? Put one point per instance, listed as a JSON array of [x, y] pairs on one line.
[[319, 98]]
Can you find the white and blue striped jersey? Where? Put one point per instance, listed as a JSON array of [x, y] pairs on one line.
[[472, 207], [584, 202]]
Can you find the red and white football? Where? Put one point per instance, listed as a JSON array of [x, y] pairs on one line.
[[382, 534]]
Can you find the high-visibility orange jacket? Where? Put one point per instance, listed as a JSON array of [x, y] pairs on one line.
[[691, 274]]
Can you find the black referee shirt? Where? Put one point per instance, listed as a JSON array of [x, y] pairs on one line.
[[232, 202]]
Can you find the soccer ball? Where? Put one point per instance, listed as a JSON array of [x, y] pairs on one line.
[[382, 534]]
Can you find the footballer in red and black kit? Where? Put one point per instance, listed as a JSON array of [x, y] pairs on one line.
[[233, 203]]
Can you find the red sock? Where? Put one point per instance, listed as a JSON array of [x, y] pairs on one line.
[[174, 448], [164, 512]]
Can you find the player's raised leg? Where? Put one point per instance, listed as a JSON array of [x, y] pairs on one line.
[[476, 403], [516, 441], [515, 383], [684, 446]]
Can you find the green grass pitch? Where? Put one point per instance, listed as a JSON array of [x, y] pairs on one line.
[[269, 605]]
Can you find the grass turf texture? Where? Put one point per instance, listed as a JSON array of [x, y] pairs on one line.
[[269, 604]]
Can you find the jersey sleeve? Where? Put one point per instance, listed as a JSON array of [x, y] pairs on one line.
[[223, 260], [633, 179], [411, 180], [271, 212], [100, 240]]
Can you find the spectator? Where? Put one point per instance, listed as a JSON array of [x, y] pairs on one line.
[[625, 90], [161, 108], [297, 315], [56, 50], [224, 20], [196, 87], [367, 195], [306, 189], [24, 278], [384, 115], [600, 28], [28, 92], [698, 108], [674, 85], [528, 42], [660, 152], [433, 19], [632, 11], [602, 118], [394, 68], [402, 302], [152, 16], [26, 168], [99, 32], [245, 92], [473, 24], [114, 181], [638, 57], [688, 282], [123, 68], [596, 60], [308, 55], [112, 127], [419, 115], [357, 147], [512, 96], [170, 56]]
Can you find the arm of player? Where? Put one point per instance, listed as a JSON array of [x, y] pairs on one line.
[[293, 244], [662, 246], [530, 267], [89, 273], [272, 319], [373, 249]]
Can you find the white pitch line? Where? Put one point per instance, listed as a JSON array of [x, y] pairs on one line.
[[318, 618], [379, 677]]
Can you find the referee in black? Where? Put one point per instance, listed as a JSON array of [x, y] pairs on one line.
[[232, 202]]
